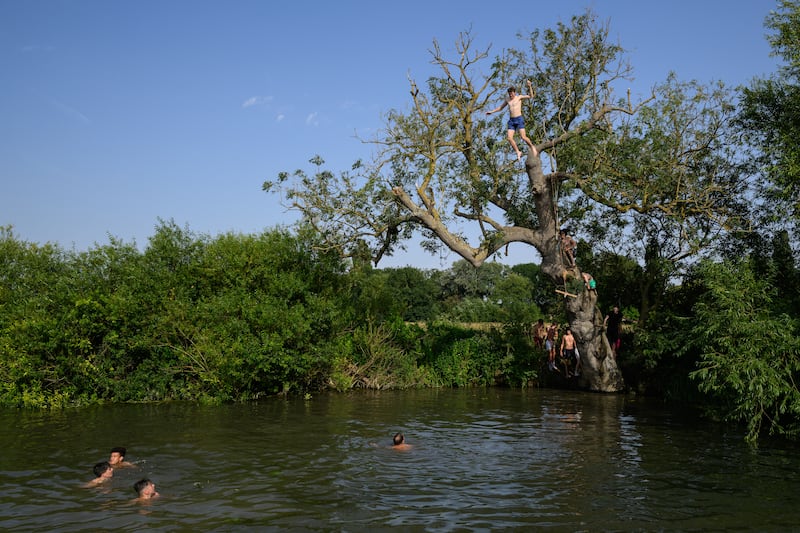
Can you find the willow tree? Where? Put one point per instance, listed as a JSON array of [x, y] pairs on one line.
[[442, 169]]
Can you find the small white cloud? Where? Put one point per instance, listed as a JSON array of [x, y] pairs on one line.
[[280, 117], [37, 48], [256, 100], [311, 119], [71, 112]]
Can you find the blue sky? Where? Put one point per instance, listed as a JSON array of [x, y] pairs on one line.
[[114, 114]]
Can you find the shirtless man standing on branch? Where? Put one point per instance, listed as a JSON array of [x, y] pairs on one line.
[[516, 122]]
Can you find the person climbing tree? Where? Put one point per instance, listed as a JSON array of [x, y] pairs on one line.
[[568, 246], [516, 122], [589, 282]]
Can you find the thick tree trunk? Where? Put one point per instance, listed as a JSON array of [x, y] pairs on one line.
[[600, 371]]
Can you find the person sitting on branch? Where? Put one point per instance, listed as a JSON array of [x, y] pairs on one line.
[[516, 122]]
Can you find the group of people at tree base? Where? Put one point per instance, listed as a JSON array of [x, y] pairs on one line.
[[104, 471], [546, 338]]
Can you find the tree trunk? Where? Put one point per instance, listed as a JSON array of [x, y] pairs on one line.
[[600, 372], [599, 367]]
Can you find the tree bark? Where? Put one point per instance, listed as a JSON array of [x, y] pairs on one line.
[[599, 367]]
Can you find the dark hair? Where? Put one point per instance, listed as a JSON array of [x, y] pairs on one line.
[[100, 468], [140, 485], [512, 89], [398, 439], [120, 450]]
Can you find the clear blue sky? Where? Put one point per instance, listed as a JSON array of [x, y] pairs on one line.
[[114, 114]]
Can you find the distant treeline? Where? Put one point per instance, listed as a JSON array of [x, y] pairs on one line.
[[238, 317]]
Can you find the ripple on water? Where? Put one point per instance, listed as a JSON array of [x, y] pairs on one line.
[[481, 459]]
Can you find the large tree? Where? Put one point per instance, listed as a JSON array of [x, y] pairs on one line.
[[442, 170], [770, 117]]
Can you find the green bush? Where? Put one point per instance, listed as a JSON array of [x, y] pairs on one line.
[[749, 356], [219, 319]]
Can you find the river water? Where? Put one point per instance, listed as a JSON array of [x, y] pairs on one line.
[[481, 459]]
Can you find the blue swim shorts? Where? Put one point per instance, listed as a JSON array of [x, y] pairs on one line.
[[516, 123]]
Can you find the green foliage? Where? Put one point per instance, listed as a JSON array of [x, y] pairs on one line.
[[519, 359], [785, 41], [266, 313], [779, 268], [615, 275], [458, 365], [770, 115], [405, 292], [770, 121], [514, 295], [749, 356], [489, 293], [464, 357], [468, 361], [414, 291], [237, 317], [37, 292], [230, 318], [655, 360], [473, 310], [543, 295], [463, 280], [383, 358]]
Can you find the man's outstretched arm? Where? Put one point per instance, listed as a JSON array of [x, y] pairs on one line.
[[497, 109]]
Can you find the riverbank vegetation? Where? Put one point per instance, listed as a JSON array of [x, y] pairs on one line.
[[238, 317], [711, 302], [242, 316]]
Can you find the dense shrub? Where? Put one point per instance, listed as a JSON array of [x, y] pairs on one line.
[[190, 317], [749, 354]]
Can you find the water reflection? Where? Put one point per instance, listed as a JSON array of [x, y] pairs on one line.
[[482, 459]]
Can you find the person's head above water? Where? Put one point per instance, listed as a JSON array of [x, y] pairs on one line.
[[398, 439], [102, 472], [117, 455], [101, 468], [145, 489]]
